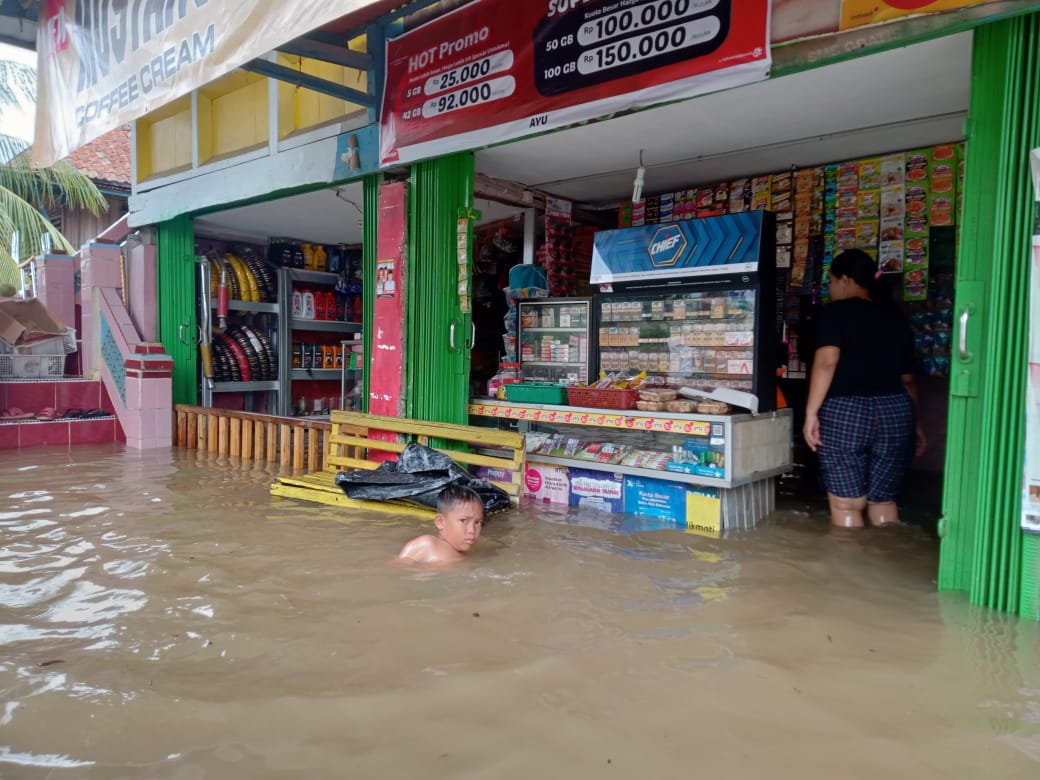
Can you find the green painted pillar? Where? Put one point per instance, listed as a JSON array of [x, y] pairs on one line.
[[178, 321], [982, 545], [370, 215], [439, 332]]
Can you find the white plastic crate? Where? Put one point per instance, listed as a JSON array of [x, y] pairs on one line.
[[32, 366], [55, 345]]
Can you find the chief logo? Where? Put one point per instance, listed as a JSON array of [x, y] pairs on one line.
[[667, 247]]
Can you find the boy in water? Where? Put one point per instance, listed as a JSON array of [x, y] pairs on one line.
[[460, 517]]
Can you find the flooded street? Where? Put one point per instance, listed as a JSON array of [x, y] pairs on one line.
[[164, 617]]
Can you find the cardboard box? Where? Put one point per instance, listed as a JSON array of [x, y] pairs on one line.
[[22, 321], [547, 483], [600, 490]]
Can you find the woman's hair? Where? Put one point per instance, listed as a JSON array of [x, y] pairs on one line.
[[860, 267], [857, 265]]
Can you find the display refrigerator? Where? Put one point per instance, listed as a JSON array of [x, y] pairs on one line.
[[690, 304], [554, 340]]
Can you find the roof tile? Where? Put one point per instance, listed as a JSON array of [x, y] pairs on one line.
[[106, 159]]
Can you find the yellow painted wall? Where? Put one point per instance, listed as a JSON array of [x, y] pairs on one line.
[[164, 140], [302, 109], [232, 115]]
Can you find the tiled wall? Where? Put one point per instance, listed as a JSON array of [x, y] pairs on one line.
[[33, 397]]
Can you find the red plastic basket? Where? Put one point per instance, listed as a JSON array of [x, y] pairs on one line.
[[602, 399]]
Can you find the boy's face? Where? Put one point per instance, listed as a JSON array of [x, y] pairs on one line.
[[460, 526]]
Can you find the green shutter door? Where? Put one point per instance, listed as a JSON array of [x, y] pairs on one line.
[[439, 333], [178, 326], [982, 547]]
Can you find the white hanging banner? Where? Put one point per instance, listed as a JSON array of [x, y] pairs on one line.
[[103, 63], [1031, 478]]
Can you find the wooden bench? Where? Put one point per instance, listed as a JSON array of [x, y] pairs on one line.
[[351, 446]]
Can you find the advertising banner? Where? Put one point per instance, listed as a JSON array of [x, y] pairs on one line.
[[387, 369], [856, 13], [694, 247], [103, 63], [495, 70], [1031, 480]]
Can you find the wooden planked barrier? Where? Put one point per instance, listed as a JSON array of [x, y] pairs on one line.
[[293, 444], [351, 445]]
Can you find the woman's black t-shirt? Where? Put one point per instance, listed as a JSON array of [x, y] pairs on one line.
[[877, 347]]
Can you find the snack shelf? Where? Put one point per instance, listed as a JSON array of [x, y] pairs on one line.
[[320, 373], [602, 418], [243, 387], [554, 362], [555, 330], [328, 326], [314, 277], [256, 307], [633, 471]]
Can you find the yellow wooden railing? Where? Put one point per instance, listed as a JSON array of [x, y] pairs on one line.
[[356, 442], [293, 444]]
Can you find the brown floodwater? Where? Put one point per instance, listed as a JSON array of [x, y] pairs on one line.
[[164, 617]]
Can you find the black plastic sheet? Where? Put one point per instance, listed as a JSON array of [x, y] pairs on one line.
[[419, 474]]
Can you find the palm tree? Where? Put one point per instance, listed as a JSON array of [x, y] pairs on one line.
[[27, 192]]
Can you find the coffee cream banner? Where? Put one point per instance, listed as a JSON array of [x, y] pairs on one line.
[[104, 63]]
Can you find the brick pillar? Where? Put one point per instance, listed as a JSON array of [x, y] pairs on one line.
[[142, 298], [148, 418], [99, 268], [56, 287]]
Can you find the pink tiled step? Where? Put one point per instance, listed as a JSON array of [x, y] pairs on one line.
[[63, 395]]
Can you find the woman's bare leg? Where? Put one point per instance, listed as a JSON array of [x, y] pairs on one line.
[[882, 513], [847, 512]]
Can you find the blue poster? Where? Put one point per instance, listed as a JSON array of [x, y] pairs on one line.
[[730, 243]]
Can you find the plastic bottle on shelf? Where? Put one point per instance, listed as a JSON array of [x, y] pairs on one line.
[[308, 305], [330, 305], [308, 257], [297, 304], [321, 259], [319, 305]]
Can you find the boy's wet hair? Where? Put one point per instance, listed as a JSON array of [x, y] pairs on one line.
[[454, 495]]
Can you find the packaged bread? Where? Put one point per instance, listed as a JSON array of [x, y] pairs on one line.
[[682, 406], [659, 395], [650, 406], [713, 407]]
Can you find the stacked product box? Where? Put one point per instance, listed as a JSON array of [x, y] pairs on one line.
[[802, 231], [868, 205], [830, 222], [918, 195], [891, 249], [883, 205]]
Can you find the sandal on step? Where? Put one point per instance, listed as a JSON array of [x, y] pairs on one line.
[[49, 413], [14, 413]]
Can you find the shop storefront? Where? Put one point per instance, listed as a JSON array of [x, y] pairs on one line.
[[903, 148]]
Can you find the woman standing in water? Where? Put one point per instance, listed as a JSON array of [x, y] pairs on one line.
[[860, 415]]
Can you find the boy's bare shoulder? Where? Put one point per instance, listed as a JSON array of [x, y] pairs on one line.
[[428, 549]]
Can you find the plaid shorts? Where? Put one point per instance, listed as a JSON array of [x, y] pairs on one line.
[[867, 445]]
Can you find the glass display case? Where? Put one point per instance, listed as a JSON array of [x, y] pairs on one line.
[[703, 339], [554, 340]]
